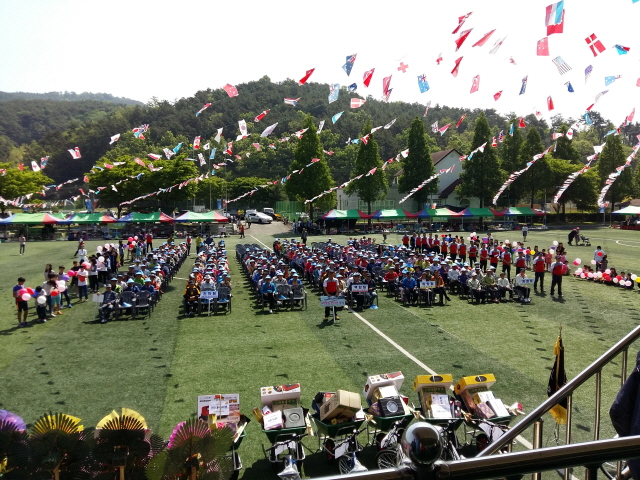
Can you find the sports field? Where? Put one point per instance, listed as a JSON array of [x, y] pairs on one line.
[[159, 365]]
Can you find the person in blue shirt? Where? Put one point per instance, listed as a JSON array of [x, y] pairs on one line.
[[268, 290], [132, 286], [147, 287], [409, 285]]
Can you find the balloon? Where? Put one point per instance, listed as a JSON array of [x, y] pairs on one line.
[[130, 239], [533, 252], [99, 249], [41, 300], [55, 293], [577, 261], [22, 291], [615, 280], [628, 283], [599, 274], [106, 245], [133, 244], [101, 259], [135, 238], [507, 242], [62, 288], [65, 277], [25, 296], [590, 275], [555, 243], [469, 238], [582, 275], [81, 278], [593, 262], [600, 253], [607, 271], [30, 291], [86, 265], [71, 273], [619, 277], [633, 277], [637, 279]]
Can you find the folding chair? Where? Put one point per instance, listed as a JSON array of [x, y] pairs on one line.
[[299, 294], [283, 296], [143, 304], [224, 299], [127, 300]]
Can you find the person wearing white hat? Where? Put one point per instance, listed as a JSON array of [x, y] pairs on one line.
[[268, 292]]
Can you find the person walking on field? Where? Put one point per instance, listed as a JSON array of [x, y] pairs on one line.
[[241, 230], [557, 271], [23, 243], [525, 231]]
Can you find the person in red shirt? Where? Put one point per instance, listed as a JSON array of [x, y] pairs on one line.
[[473, 253], [453, 251], [443, 248], [418, 243], [435, 248], [462, 251], [539, 267], [484, 256], [494, 257], [506, 262], [405, 240], [149, 240], [390, 278], [429, 244], [520, 262]]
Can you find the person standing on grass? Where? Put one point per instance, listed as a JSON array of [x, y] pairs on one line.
[[23, 243], [81, 275], [598, 256], [41, 308], [539, 267], [149, 241], [82, 253], [189, 240], [61, 276], [557, 270], [525, 232], [21, 305]]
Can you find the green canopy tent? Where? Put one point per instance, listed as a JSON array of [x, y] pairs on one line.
[[394, 213], [352, 214], [88, 218], [193, 217], [154, 217], [36, 219]]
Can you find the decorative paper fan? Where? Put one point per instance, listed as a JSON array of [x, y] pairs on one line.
[[129, 420], [9, 417], [59, 421], [14, 446]]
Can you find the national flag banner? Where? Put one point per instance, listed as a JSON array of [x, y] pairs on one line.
[[352, 88], [599, 96], [153, 156], [434, 127], [357, 102], [386, 95], [429, 105], [475, 85], [388, 125], [261, 116], [349, 63], [523, 88], [461, 21], [231, 90], [75, 153], [444, 129], [497, 45], [139, 162], [543, 47], [439, 59], [594, 44], [496, 96], [638, 83], [335, 118], [587, 119], [461, 119], [557, 380], [621, 50], [501, 136], [463, 36], [522, 124], [334, 91], [196, 143], [207, 105], [202, 160], [570, 137], [212, 154], [291, 101], [629, 118], [587, 73], [423, 85], [563, 67], [34, 166], [484, 39], [114, 139], [206, 146], [365, 139], [304, 79], [554, 18], [511, 130], [609, 80], [367, 77], [168, 153], [229, 149], [454, 72], [242, 126], [556, 136], [494, 142], [569, 87], [176, 149], [550, 103], [386, 81], [44, 160]]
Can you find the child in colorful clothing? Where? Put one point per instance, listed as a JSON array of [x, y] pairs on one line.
[[527, 257], [41, 308], [548, 259]]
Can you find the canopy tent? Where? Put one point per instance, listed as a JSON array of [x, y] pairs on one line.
[[8, 220], [476, 212], [498, 213], [630, 210], [34, 219], [136, 217], [395, 213], [344, 215], [87, 218], [522, 211], [194, 217], [437, 212]]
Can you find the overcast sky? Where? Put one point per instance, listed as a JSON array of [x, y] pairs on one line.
[[173, 49]]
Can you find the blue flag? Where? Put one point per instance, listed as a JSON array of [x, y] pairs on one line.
[[177, 148], [569, 87], [334, 91], [511, 130], [621, 50], [524, 85], [353, 87], [609, 80], [422, 83], [349, 65], [587, 119], [335, 118], [610, 132], [213, 154]]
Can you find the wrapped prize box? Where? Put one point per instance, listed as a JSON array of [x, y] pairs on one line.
[[385, 392], [483, 397], [498, 407], [484, 411], [396, 379], [279, 392], [438, 383], [440, 411], [272, 421], [467, 387], [343, 404]]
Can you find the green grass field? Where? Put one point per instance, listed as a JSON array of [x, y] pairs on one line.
[[159, 365]]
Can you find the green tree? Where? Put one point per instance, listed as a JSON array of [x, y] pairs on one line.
[[317, 179], [15, 183], [481, 175], [510, 158], [612, 157], [369, 188], [536, 178], [418, 166], [582, 191], [564, 147]]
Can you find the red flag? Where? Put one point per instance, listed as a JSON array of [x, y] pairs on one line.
[[21, 167], [484, 39], [631, 115], [476, 84], [590, 107], [304, 79], [460, 22], [463, 36], [550, 103], [494, 143], [461, 119], [367, 77], [522, 124], [386, 81], [497, 96], [543, 47], [231, 90], [594, 44], [454, 72], [261, 116], [357, 102], [439, 59]]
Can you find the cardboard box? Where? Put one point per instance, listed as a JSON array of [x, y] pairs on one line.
[[385, 392], [498, 407], [435, 399], [476, 383], [342, 404], [483, 397], [483, 410], [395, 378], [440, 411], [279, 392], [284, 404], [272, 421], [440, 383], [233, 400]]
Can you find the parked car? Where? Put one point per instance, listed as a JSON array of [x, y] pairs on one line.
[[271, 212], [258, 217]]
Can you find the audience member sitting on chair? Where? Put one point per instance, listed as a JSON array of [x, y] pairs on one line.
[[475, 288], [522, 288], [504, 286], [109, 300], [268, 292], [191, 295]]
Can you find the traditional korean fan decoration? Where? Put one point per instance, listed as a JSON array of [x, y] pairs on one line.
[[14, 446]]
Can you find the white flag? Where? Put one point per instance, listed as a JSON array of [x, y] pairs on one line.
[[34, 166], [320, 127], [269, 130], [75, 153], [114, 139], [217, 139], [388, 125], [168, 153], [206, 146], [242, 125], [497, 45], [202, 160]]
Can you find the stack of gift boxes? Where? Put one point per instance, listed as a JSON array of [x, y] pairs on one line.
[[479, 400], [280, 408], [222, 410], [433, 393], [383, 397]]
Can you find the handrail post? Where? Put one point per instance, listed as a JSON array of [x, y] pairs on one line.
[[567, 471], [537, 443], [623, 378], [596, 426]]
